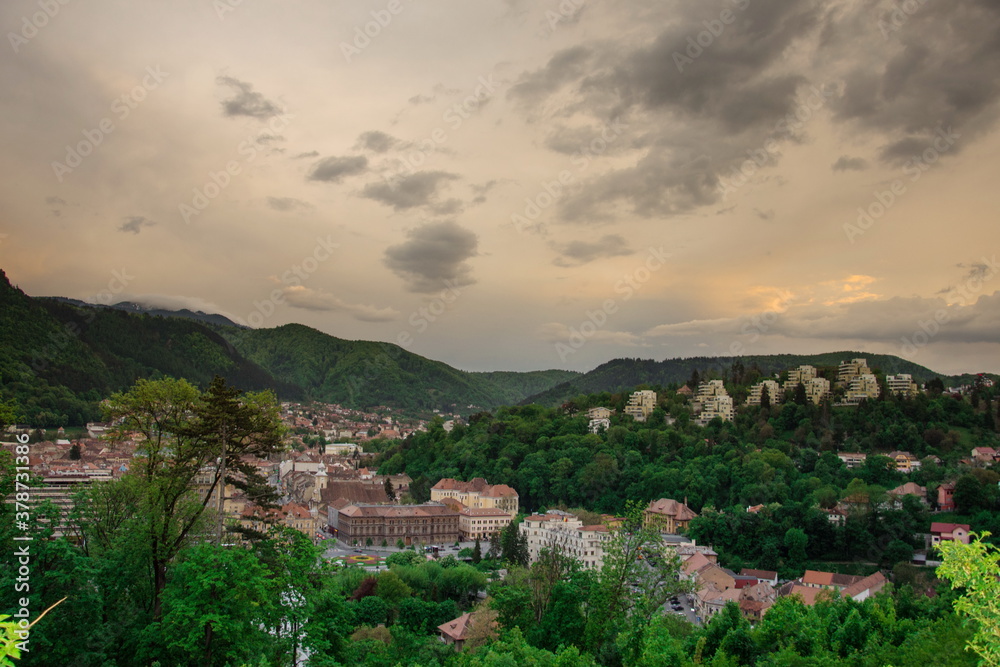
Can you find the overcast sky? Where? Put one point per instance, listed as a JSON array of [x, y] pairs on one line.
[[505, 184]]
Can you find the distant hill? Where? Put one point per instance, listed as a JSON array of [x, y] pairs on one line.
[[623, 374], [371, 373], [142, 309], [59, 357]]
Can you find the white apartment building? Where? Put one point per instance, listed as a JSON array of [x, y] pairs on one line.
[[817, 389], [641, 404], [562, 531], [481, 522], [756, 391], [862, 387], [714, 401], [901, 385], [801, 375], [848, 370]]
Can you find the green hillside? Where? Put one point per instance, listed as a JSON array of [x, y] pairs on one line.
[[365, 373]]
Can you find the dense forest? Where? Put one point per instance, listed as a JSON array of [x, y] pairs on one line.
[[782, 457]]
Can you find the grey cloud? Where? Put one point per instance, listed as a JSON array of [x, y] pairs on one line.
[[306, 298], [434, 257], [847, 163], [416, 190], [436, 92], [936, 67], [55, 201], [285, 204], [334, 169], [766, 215], [376, 141], [305, 155], [245, 101], [135, 223], [562, 68], [576, 253], [480, 191]]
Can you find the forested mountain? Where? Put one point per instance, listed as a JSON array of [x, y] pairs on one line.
[[131, 307], [59, 358], [373, 373], [620, 374]]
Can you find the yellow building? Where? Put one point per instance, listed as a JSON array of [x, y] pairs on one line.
[[641, 404], [477, 494], [667, 516]]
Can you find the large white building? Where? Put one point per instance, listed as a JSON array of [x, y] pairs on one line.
[[817, 389], [563, 531], [849, 370], [641, 404], [801, 375], [757, 391], [901, 385], [862, 387], [714, 401]]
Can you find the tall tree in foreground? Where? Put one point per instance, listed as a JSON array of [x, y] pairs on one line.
[[192, 443], [975, 567]]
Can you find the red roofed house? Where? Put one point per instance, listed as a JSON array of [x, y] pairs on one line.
[[985, 455], [455, 631], [956, 532], [667, 515]]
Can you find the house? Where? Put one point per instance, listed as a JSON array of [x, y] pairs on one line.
[[761, 575], [860, 591], [943, 532], [908, 489], [834, 580], [667, 516], [946, 497], [852, 459], [568, 534], [456, 631], [599, 413], [596, 425], [480, 523], [905, 462], [985, 455]]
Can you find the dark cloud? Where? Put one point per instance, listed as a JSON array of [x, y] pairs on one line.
[[416, 190], [376, 141], [436, 92], [305, 155], [135, 224], [564, 67], [766, 215], [480, 191], [285, 204], [246, 102], [847, 163], [576, 253], [434, 257], [693, 114], [333, 169], [929, 69], [55, 201]]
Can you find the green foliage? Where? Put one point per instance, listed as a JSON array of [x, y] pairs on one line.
[[975, 568]]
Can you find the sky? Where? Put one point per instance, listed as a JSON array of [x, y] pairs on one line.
[[515, 184]]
